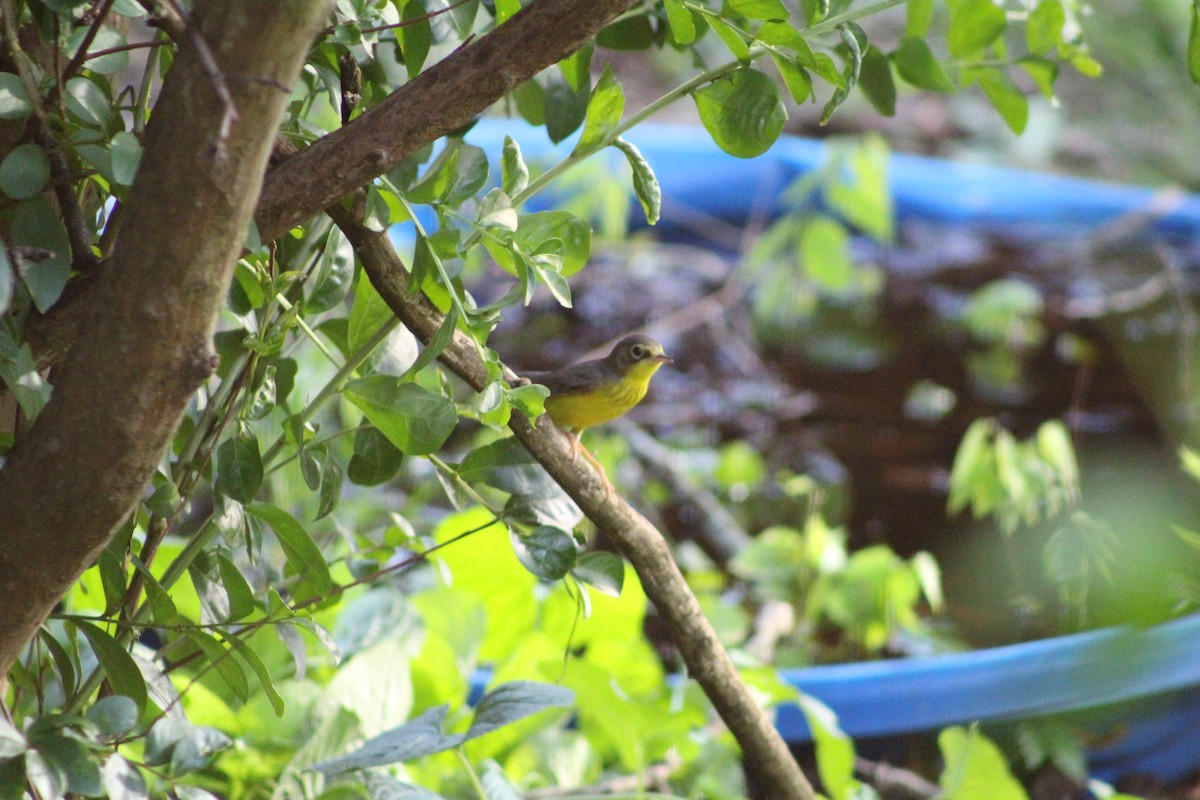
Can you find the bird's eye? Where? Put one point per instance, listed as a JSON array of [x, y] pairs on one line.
[[637, 351]]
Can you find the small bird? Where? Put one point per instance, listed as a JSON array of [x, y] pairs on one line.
[[594, 392]]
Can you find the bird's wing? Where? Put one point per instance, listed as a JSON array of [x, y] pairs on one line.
[[575, 378]]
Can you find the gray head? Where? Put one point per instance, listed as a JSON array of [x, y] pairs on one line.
[[636, 349]]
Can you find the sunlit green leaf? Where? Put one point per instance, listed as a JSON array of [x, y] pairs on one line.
[[683, 28], [414, 419], [974, 24], [604, 111], [975, 768]]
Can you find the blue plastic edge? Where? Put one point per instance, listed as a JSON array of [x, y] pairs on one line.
[[696, 174]]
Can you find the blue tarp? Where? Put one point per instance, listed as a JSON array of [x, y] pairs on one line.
[[1140, 683], [696, 174]]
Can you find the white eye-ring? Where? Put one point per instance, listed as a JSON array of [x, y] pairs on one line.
[[637, 351]]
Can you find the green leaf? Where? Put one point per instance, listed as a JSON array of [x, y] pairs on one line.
[[241, 598], [12, 741], [117, 664], [505, 9], [1044, 29], [645, 184], [299, 548], [742, 112], [247, 654], [679, 18], [732, 39], [437, 343], [126, 156], [835, 751], [496, 785], [548, 552], [565, 109], [45, 777], [795, 78], [63, 662], [576, 68], [122, 780], [876, 82], [1005, 95], [376, 212], [781, 34], [20, 374], [575, 234], [470, 173], [239, 468], [631, 32], [604, 111], [415, 420], [601, 570], [514, 701], [825, 253], [24, 171], [64, 752], [1193, 47], [974, 24], [418, 737], [368, 314], [115, 715], [759, 9], [226, 666], [858, 190], [375, 459], [920, 16], [88, 102], [106, 39], [916, 64], [974, 768], [414, 38], [438, 179], [1043, 72], [195, 750], [514, 173], [161, 605], [14, 101]]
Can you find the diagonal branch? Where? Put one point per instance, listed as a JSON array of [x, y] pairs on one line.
[[766, 755], [440, 100]]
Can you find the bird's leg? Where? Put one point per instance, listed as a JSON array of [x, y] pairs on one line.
[[577, 448]]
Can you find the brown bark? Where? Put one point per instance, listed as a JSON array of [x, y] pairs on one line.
[[766, 754], [146, 340], [440, 100]]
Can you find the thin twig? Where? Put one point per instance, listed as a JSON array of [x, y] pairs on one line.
[[81, 54]]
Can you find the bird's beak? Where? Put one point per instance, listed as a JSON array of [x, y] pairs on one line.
[[663, 358]]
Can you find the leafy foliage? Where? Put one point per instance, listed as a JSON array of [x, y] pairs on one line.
[[263, 593]]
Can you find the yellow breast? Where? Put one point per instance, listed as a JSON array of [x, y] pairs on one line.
[[579, 410]]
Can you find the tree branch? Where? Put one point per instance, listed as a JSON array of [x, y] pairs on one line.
[[440, 100], [766, 755], [85, 462]]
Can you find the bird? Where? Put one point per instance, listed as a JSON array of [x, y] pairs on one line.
[[591, 393]]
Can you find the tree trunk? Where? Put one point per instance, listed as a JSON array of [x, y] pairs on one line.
[[146, 341]]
